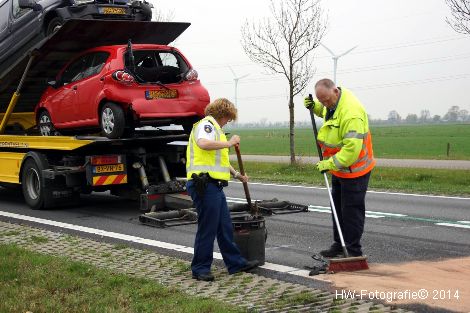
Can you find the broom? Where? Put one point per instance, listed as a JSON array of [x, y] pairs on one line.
[[253, 208], [346, 263]]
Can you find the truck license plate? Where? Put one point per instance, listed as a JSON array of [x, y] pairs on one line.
[[109, 168], [161, 94], [110, 10]]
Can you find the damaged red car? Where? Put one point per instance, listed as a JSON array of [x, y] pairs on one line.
[[114, 89]]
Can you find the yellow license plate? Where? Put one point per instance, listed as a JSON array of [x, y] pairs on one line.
[[108, 10], [161, 94], [109, 168]]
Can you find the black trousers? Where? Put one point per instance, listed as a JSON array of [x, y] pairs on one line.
[[349, 198]]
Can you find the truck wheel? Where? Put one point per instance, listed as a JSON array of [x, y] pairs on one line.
[[113, 120], [32, 184], [46, 128], [54, 25]]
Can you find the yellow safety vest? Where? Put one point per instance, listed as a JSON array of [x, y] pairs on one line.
[[214, 162], [346, 137]]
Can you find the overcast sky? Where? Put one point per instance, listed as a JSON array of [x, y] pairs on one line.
[[408, 58]]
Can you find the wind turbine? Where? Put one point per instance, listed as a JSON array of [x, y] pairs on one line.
[[335, 58], [236, 79]]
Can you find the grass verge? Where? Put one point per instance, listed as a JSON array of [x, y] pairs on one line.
[[39, 283], [410, 180]]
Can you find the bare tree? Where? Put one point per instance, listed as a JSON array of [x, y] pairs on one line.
[[394, 117], [159, 16], [284, 43], [460, 20]]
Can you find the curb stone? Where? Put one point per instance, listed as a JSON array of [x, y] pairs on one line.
[[253, 292]]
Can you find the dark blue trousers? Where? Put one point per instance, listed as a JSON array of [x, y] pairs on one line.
[[213, 221], [349, 198]]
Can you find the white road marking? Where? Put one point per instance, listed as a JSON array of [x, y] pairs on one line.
[[369, 191], [324, 209], [140, 240], [454, 225]]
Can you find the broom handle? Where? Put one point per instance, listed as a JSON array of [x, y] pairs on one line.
[[242, 172], [332, 204]]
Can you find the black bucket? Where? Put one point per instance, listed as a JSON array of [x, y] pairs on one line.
[[249, 233]]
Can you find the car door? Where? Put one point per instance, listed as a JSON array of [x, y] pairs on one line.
[[5, 23], [89, 88], [62, 104], [25, 27]]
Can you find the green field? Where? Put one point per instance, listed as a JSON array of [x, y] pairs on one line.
[[407, 142]]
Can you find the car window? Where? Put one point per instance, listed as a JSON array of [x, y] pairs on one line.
[[17, 11], [4, 15], [74, 71], [94, 63], [165, 67], [152, 59], [168, 59]]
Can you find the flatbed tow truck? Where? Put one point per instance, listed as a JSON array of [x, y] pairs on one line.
[[54, 170]]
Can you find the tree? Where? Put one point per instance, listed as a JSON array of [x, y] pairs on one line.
[[425, 116], [463, 115], [411, 118], [460, 10], [394, 117], [284, 44], [436, 118], [453, 114], [161, 16]]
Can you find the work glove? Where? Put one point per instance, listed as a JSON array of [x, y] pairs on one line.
[[309, 103], [326, 165]]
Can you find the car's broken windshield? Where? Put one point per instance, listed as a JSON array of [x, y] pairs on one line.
[[153, 66]]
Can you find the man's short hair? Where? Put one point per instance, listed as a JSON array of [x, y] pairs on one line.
[[325, 82], [220, 108]]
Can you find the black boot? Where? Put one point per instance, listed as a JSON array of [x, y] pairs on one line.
[[332, 252]]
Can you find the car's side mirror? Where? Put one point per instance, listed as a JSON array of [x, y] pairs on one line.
[[30, 4], [52, 83]]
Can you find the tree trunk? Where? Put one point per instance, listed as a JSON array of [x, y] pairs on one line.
[[291, 124]]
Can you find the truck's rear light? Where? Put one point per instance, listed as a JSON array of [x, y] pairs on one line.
[[191, 75], [123, 76], [105, 159]]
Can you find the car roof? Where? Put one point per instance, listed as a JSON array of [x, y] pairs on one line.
[[74, 37]]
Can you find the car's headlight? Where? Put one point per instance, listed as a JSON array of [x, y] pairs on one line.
[[78, 2]]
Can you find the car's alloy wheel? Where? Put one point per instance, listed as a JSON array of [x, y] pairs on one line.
[[113, 121], [107, 120], [46, 128]]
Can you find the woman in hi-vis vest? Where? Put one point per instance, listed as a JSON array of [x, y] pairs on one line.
[[208, 171]]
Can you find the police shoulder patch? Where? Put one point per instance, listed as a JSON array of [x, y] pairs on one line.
[[208, 129]]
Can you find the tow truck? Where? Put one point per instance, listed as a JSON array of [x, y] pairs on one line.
[[55, 170]]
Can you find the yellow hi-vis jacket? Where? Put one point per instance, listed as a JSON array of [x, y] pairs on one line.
[[346, 137], [214, 162]]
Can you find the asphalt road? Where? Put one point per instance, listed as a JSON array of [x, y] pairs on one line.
[[399, 227]]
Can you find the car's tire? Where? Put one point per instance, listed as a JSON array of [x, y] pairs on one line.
[[45, 125], [112, 120], [54, 25], [32, 184]]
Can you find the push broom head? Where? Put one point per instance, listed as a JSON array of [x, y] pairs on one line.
[[349, 264]]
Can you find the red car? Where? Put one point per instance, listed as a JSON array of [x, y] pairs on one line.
[[118, 88]]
